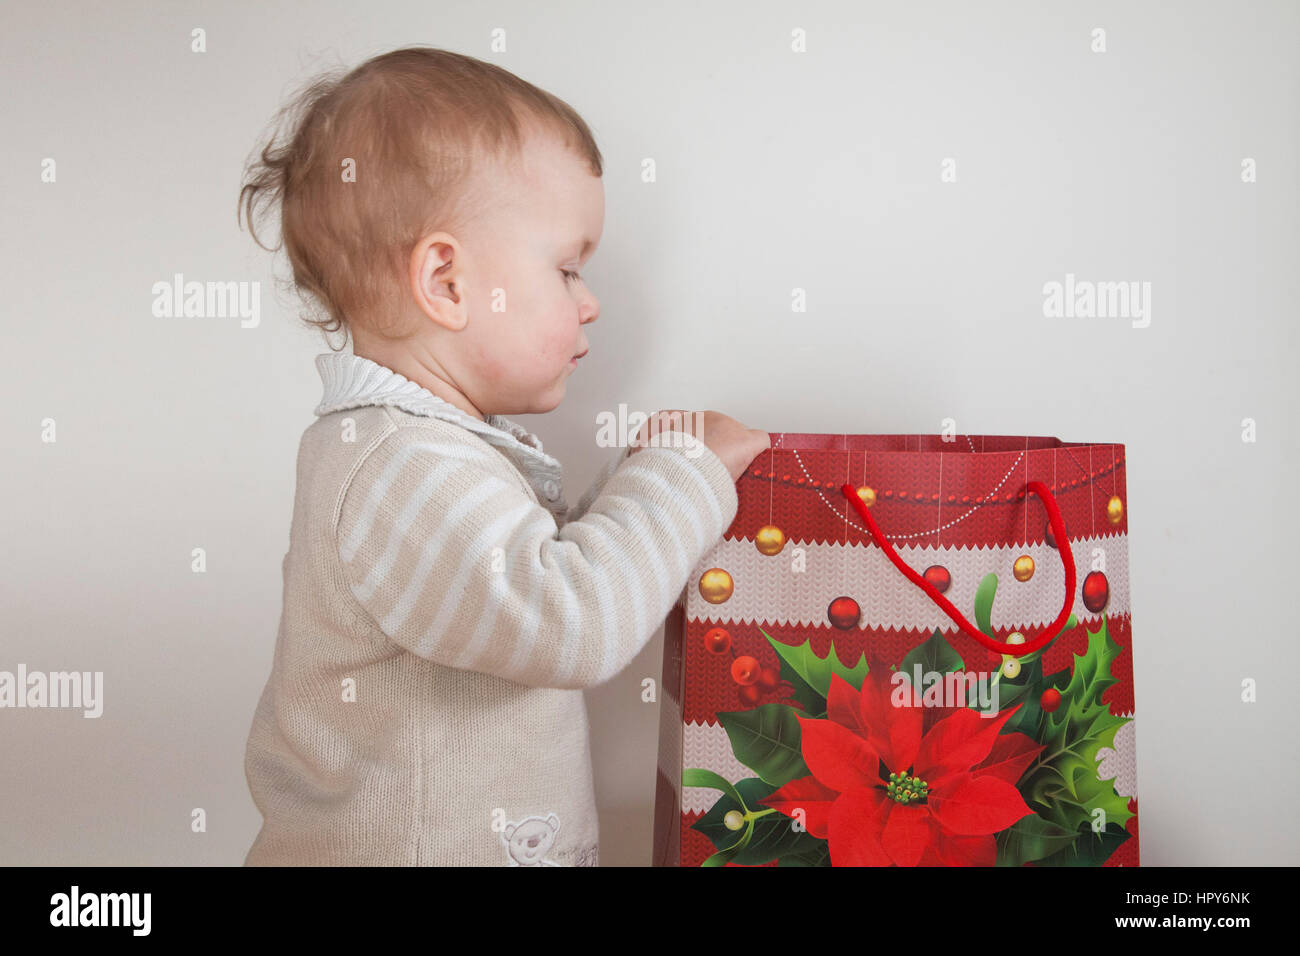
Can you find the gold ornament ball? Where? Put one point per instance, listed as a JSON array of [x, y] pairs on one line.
[[1114, 510], [715, 585], [1011, 663], [868, 495], [1023, 569], [770, 539]]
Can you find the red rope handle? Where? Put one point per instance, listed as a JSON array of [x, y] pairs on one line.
[[1062, 545]]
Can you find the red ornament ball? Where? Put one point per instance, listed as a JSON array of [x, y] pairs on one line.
[[717, 640], [749, 695], [745, 670], [1096, 592], [844, 613], [938, 577], [1047, 533], [767, 678], [1050, 700]]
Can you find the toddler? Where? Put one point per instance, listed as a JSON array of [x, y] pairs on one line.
[[443, 607]]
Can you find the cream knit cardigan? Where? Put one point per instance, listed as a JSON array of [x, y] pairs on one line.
[[443, 610]]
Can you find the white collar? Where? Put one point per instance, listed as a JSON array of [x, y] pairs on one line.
[[351, 381]]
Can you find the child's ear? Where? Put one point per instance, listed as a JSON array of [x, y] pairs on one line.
[[437, 280]]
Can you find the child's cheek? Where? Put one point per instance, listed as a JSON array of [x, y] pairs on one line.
[[561, 346], [494, 363]]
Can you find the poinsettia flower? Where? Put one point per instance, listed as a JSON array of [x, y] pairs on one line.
[[889, 787]]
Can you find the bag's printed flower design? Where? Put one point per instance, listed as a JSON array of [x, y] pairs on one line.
[[825, 763], [952, 789]]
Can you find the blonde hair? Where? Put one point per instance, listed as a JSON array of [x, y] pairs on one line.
[[418, 123]]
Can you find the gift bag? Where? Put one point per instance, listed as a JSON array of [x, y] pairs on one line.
[[906, 650]]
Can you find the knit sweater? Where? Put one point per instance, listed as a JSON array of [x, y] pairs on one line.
[[443, 610]]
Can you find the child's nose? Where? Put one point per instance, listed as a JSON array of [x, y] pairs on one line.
[[590, 310]]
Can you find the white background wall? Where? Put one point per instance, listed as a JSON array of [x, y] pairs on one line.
[[776, 170]]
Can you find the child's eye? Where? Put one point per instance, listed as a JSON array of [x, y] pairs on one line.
[[570, 276]]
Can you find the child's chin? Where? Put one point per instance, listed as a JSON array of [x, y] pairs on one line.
[[551, 400]]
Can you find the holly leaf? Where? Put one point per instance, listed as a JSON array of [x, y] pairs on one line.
[[1026, 687], [723, 857], [1065, 780], [699, 777], [766, 739], [812, 703], [810, 675], [763, 838], [988, 586], [1029, 718], [1089, 848], [741, 796], [935, 654], [1031, 838], [1067, 807], [775, 838], [818, 854]]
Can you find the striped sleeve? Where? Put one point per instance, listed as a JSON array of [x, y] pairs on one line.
[[456, 563], [598, 485]]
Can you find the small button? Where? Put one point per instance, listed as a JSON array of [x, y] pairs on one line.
[[551, 489]]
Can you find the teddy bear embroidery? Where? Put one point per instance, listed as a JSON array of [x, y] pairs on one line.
[[528, 841]]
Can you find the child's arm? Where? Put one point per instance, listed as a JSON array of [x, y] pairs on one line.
[[457, 564], [588, 496]]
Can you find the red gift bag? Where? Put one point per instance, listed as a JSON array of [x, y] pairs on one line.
[[906, 650]]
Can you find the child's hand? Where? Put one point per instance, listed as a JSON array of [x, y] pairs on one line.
[[734, 443]]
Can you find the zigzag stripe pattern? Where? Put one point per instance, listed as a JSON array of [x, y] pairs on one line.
[[707, 745], [767, 589], [1121, 761]]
